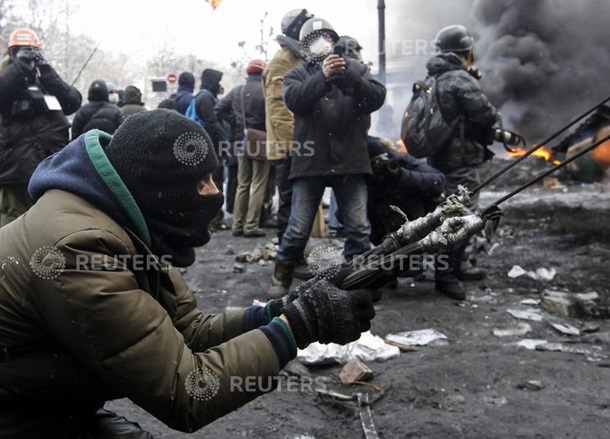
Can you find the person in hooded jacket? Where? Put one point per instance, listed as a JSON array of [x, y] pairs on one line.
[[94, 308], [132, 102], [205, 104], [34, 102], [98, 113]]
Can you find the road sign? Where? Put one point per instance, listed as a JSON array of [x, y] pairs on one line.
[[172, 78]]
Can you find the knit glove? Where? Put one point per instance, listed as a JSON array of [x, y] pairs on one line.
[[327, 314]]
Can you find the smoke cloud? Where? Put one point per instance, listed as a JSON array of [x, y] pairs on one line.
[[545, 61]]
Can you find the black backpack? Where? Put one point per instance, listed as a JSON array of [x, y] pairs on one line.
[[424, 130]]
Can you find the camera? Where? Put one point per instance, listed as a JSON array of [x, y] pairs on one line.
[[384, 166], [28, 54]]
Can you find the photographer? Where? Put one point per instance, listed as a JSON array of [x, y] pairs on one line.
[[34, 102], [398, 180]]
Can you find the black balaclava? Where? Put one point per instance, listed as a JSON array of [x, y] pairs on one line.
[[161, 156]]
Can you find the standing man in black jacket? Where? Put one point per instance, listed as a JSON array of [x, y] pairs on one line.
[[252, 173], [460, 96], [98, 113], [205, 102], [332, 98], [34, 102]]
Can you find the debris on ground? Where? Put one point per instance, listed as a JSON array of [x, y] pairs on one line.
[[572, 305], [520, 330], [541, 274], [355, 371], [592, 353], [423, 337], [533, 385], [532, 315], [366, 417], [566, 329], [530, 344], [239, 268], [367, 348]]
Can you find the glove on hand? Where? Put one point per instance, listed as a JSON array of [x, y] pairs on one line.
[[327, 314]]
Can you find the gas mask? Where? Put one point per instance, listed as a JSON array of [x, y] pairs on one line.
[[317, 46]]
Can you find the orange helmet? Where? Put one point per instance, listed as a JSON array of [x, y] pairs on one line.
[[23, 37]]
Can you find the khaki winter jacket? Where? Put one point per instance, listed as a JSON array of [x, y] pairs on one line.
[[86, 324], [279, 120]]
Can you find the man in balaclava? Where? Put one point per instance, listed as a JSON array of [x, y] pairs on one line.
[[92, 309]]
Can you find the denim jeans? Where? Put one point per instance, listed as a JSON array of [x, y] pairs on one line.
[[284, 187], [307, 192]]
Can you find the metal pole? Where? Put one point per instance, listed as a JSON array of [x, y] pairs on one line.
[[382, 52]]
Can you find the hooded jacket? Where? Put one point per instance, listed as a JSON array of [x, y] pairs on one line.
[[332, 117], [205, 103], [98, 113], [460, 95], [279, 120], [132, 102], [83, 319], [28, 139]]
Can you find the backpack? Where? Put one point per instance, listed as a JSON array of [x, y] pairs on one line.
[[191, 111], [424, 130]]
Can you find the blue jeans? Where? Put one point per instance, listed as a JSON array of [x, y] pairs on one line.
[[307, 192]]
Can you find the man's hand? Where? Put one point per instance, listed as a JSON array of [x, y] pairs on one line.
[[333, 65], [328, 314]]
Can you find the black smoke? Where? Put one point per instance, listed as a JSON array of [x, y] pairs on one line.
[[545, 61]]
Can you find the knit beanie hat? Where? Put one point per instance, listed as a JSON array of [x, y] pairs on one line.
[[161, 156], [187, 79], [98, 91], [256, 66]]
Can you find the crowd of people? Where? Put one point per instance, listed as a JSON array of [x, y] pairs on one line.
[[122, 180]]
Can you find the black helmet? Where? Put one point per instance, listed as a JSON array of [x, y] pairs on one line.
[[455, 39], [293, 21]]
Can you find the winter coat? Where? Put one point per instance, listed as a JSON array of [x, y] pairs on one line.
[[332, 117], [132, 102], [231, 105], [279, 119], [87, 322], [97, 115], [205, 103], [28, 139], [460, 95], [414, 187]]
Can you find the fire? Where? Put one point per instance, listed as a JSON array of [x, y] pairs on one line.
[[542, 153]]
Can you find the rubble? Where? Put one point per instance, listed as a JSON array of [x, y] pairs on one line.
[[541, 274], [520, 330], [355, 371], [367, 348], [532, 315], [572, 305], [566, 329], [230, 250], [416, 338], [533, 385], [239, 268]]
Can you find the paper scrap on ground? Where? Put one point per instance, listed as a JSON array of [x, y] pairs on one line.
[[368, 347], [541, 274], [530, 344], [532, 315], [417, 338], [566, 329], [520, 330]]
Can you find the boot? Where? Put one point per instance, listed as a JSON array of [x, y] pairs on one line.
[[301, 271], [280, 280], [451, 288], [472, 273]]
